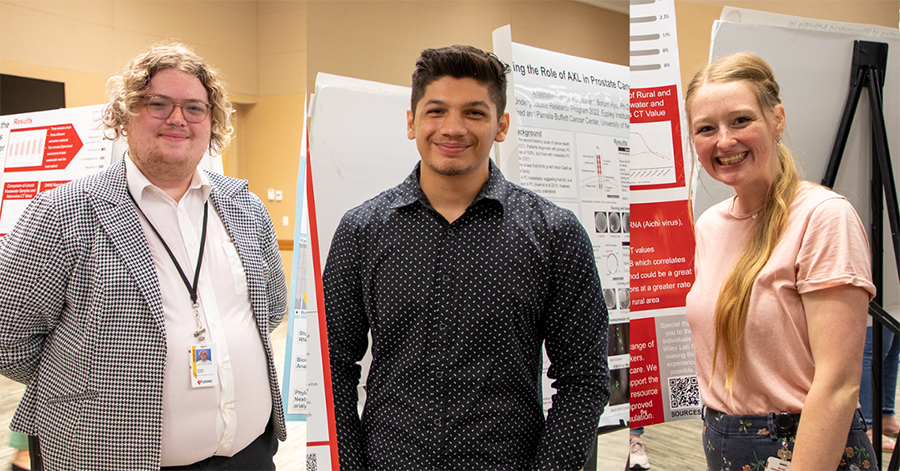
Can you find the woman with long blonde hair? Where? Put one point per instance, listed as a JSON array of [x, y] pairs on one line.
[[778, 308]]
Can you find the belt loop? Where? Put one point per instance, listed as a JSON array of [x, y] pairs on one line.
[[770, 425], [703, 413], [862, 419]]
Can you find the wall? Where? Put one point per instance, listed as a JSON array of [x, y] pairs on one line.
[[269, 130], [97, 37], [380, 41]]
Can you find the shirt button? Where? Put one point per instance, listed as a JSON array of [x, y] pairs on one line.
[[450, 231], [180, 210], [192, 243], [437, 422], [446, 277], [203, 281], [439, 374], [443, 326]]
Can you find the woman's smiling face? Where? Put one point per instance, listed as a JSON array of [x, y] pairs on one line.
[[733, 137]]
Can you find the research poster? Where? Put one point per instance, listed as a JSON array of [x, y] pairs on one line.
[[295, 389], [42, 150], [571, 137], [342, 173], [662, 382], [296, 362]]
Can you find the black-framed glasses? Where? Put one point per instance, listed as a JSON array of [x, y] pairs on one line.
[[161, 107]]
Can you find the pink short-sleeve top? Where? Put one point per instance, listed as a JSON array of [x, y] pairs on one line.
[[824, 246]]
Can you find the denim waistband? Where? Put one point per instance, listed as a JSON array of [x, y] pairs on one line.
[[759, 424]]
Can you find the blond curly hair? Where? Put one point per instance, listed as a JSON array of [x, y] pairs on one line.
[[127, 88]]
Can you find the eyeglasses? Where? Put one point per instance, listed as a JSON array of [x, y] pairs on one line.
[[161, 107]]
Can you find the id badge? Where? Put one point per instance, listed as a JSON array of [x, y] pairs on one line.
[[203, 361], [776, 464]]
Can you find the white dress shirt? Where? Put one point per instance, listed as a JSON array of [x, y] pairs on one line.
[[220, 420]]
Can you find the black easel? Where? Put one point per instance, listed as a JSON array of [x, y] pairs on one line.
[[867, 71]]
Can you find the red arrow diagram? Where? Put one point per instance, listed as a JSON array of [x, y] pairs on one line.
[[61, 146]]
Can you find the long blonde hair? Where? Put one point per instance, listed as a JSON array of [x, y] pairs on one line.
[[734, 297]]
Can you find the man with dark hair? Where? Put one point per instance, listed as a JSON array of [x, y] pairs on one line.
[[107, 284], [461, 277], [460, 62]]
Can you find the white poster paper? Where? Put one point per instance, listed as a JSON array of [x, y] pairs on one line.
[[343, 173], [571, 137]]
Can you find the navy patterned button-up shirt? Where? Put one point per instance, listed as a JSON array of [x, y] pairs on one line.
[[458, 313]]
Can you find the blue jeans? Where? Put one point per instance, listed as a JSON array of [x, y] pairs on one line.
[[745, 442], [890, 357]]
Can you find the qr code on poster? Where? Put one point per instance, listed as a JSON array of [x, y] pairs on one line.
[[311, 462], [684, 392]]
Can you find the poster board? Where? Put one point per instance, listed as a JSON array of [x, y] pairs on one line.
[[812, 60], [570, 145], [301, 302], [663, 384], [342, 173]]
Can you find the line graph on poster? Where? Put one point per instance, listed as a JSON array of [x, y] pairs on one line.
[[652, 160]]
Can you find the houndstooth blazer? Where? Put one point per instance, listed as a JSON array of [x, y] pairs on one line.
[[81, 318]]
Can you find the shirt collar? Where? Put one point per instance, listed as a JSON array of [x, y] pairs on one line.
[[496, 188], [137, 182]]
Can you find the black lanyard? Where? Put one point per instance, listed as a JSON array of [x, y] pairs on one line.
[[192, 290]]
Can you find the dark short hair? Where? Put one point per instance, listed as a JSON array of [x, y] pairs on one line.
[[460, 62]]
